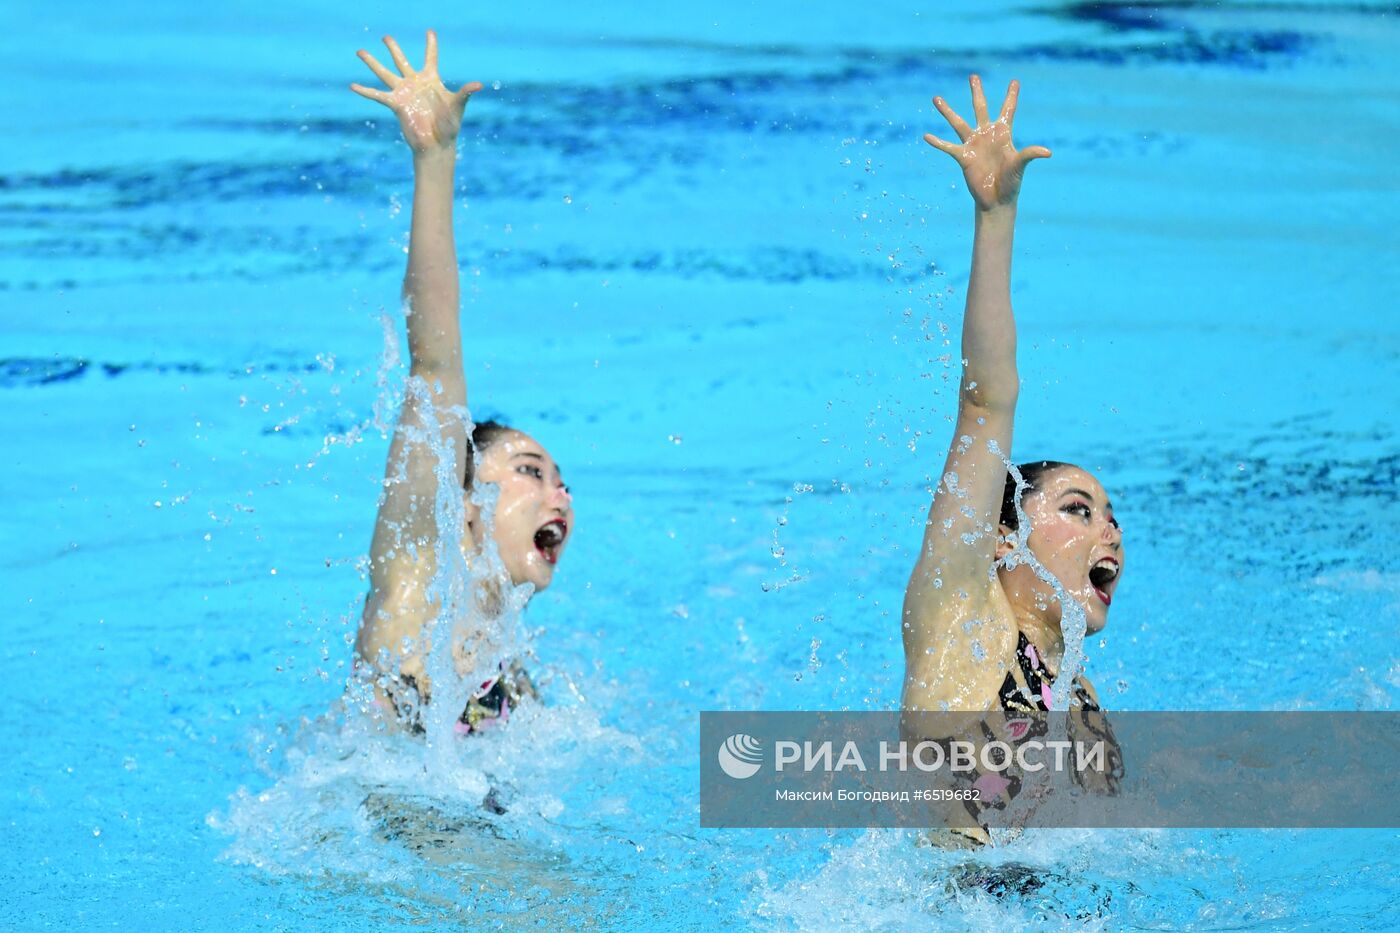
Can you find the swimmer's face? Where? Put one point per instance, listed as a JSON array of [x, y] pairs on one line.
[[534, 512], [1075, 536]]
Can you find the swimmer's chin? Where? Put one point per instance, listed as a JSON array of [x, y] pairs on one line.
[[540, 581], [1095, 621], [536, 572]]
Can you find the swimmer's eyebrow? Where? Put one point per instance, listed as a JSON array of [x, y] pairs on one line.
[[1073, 491]]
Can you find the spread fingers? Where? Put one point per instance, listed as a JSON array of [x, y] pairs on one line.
[[383, 74], [958, 124]]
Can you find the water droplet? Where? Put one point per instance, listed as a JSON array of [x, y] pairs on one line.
[[495, 85], [568, 199]]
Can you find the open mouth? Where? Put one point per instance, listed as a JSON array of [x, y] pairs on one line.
[[1103, 577], [549, 539]]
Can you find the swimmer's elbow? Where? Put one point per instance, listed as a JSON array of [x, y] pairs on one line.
[[990, 397]]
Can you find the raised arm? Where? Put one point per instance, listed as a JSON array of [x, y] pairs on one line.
[[953, 583], [431, 423]]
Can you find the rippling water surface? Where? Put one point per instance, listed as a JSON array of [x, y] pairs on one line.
[[709, 263]]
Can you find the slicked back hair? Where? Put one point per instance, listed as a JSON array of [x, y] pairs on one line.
[[1033, 473], [484, 434]]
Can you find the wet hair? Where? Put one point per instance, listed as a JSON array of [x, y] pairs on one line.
[[1033, 473], [484, 434]]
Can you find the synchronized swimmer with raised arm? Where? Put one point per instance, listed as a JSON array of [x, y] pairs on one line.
[[533, 516], [987, 605], [983, 628]]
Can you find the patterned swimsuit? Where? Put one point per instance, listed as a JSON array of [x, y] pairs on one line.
[[1087, 723], [489, 706], [1036, 695]]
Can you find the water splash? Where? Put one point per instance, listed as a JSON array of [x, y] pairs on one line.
[[1074, 624], [354, 809], [390, 397], [355, 793]]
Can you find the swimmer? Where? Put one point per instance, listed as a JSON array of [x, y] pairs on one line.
[[533, 519], [982, 630]]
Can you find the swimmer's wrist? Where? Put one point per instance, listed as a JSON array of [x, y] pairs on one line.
[[437, 155], [996, 211], [997, 222]]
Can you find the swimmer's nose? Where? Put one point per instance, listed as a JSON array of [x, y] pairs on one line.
[[561, 498], [1113, 535]]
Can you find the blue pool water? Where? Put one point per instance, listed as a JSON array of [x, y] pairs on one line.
[[710, 264]]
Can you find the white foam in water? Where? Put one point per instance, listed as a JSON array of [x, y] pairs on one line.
[[1046, 880], [358, 805]]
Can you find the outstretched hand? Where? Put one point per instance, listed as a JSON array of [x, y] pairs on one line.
[[429, 114], [991, 163]]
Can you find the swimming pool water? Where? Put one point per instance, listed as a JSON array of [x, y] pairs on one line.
[[710, 264]]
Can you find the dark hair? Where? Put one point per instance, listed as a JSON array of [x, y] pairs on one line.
[[1031, 473], [484, 434]]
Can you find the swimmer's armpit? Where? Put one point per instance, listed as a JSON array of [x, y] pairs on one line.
[[957, 627]]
